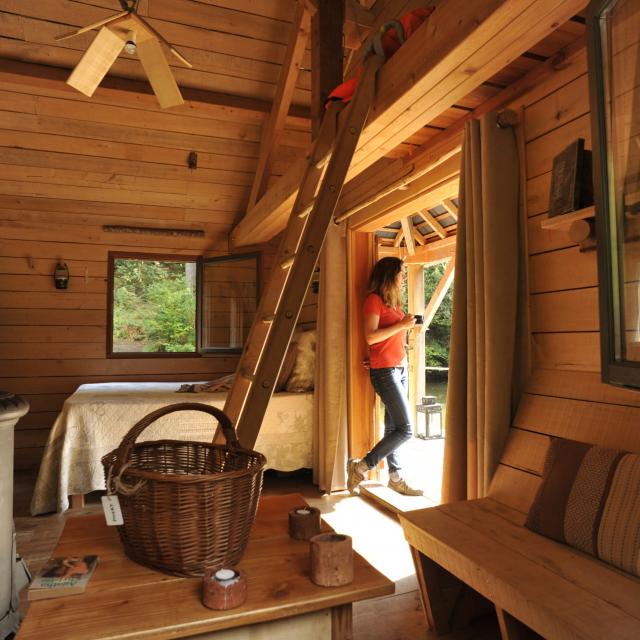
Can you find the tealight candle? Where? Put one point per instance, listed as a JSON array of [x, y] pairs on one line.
[[223, 589], [224, 574], [304, 522]]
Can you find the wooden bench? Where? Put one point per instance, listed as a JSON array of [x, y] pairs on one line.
[[476, 556]]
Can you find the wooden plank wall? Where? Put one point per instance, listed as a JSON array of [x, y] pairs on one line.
[[564, 396], [70, 165]]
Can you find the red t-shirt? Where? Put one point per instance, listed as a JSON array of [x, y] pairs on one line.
[[389, 352]]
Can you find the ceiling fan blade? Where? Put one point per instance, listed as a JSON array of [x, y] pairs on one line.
[[96, 61], [89, 27], [157, 69]]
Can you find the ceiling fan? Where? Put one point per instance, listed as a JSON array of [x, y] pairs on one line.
[[126, 30]]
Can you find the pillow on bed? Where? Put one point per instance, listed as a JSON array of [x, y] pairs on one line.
[[303, 375], [590, 499]]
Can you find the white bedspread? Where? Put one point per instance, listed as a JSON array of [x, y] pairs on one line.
[[95, 418]]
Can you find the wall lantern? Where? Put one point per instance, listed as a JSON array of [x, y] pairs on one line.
[[61, 276], [429, 419]]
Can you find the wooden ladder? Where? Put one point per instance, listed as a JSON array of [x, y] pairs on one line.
[[282, 300]]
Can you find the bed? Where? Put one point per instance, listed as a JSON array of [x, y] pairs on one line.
[[94, 419]]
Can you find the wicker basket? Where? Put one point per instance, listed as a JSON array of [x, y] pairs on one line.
[[187, 506]]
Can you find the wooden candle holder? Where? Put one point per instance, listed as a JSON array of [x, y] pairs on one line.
[[331, 560], [224, 589], [304, 522]]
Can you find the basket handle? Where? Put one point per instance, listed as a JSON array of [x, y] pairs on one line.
[[124, 450]]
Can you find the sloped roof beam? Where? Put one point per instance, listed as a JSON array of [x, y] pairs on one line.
[[274, 125], [461, 45]]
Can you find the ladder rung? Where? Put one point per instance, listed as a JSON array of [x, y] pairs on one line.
[[306, 210], [285, 264], [322, 163]]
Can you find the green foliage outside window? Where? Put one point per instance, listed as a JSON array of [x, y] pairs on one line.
[[439, 334], [154, 306]]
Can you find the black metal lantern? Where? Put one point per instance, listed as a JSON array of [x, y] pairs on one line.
[[61, 276]]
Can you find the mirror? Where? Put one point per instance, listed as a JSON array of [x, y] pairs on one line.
[[614, 85]]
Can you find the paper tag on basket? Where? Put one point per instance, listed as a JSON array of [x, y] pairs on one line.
[[112, 511]]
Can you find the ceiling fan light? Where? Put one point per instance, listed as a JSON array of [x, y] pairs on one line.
[[130, 45]]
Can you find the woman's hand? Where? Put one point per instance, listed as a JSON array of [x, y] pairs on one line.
[[408, 321]]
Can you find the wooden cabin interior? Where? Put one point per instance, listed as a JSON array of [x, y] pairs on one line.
[[198, 134]]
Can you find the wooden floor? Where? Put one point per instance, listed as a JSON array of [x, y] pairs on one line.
[[376, 535]]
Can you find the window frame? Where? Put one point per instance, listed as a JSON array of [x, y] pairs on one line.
[[200, 261], [200, 293]]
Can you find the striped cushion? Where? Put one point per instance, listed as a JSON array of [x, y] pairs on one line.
[[590, 499]]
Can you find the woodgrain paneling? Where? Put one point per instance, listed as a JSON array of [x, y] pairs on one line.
[[68, 166], [564, 394]]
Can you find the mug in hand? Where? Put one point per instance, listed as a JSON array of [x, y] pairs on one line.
[[419, 319]]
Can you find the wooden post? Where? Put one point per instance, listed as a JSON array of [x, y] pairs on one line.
[[415, 290], [342, 622], [326, 56], [360, 259]]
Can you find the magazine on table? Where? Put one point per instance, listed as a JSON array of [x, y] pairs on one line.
[[62, 577]]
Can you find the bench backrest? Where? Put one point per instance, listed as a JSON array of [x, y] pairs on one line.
[[602, 415]]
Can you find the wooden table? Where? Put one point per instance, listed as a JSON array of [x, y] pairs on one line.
[[126, 600]]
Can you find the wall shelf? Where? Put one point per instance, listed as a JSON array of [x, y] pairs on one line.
[[564, 220]]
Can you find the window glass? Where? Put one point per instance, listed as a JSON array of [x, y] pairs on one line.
[[154, 305], [229, 300]]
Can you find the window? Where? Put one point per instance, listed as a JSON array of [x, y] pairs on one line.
[[161, 305], [229, 294]]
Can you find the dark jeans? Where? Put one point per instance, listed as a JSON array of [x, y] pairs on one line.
[[390, 384]]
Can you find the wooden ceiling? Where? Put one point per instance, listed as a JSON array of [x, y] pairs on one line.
[[237, 48]]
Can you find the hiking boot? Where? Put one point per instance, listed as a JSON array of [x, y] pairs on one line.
[[402, 487], [354, 476]]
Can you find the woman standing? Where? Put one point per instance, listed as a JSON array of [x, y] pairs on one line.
[[385, 326]]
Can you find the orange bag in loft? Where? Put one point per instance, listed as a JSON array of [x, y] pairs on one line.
[[391, 37]]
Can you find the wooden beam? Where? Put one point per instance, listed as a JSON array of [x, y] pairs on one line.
[[358, 21], [426, 199], [360, 259], [415, 295], [452, 209], [461, 45], [326, 57], [407, 230], [405, 198], [282, 100], [441, 291], [418, 237], [387, 177], [15, 74], [399, 238], [433, 223], [433, 252]]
